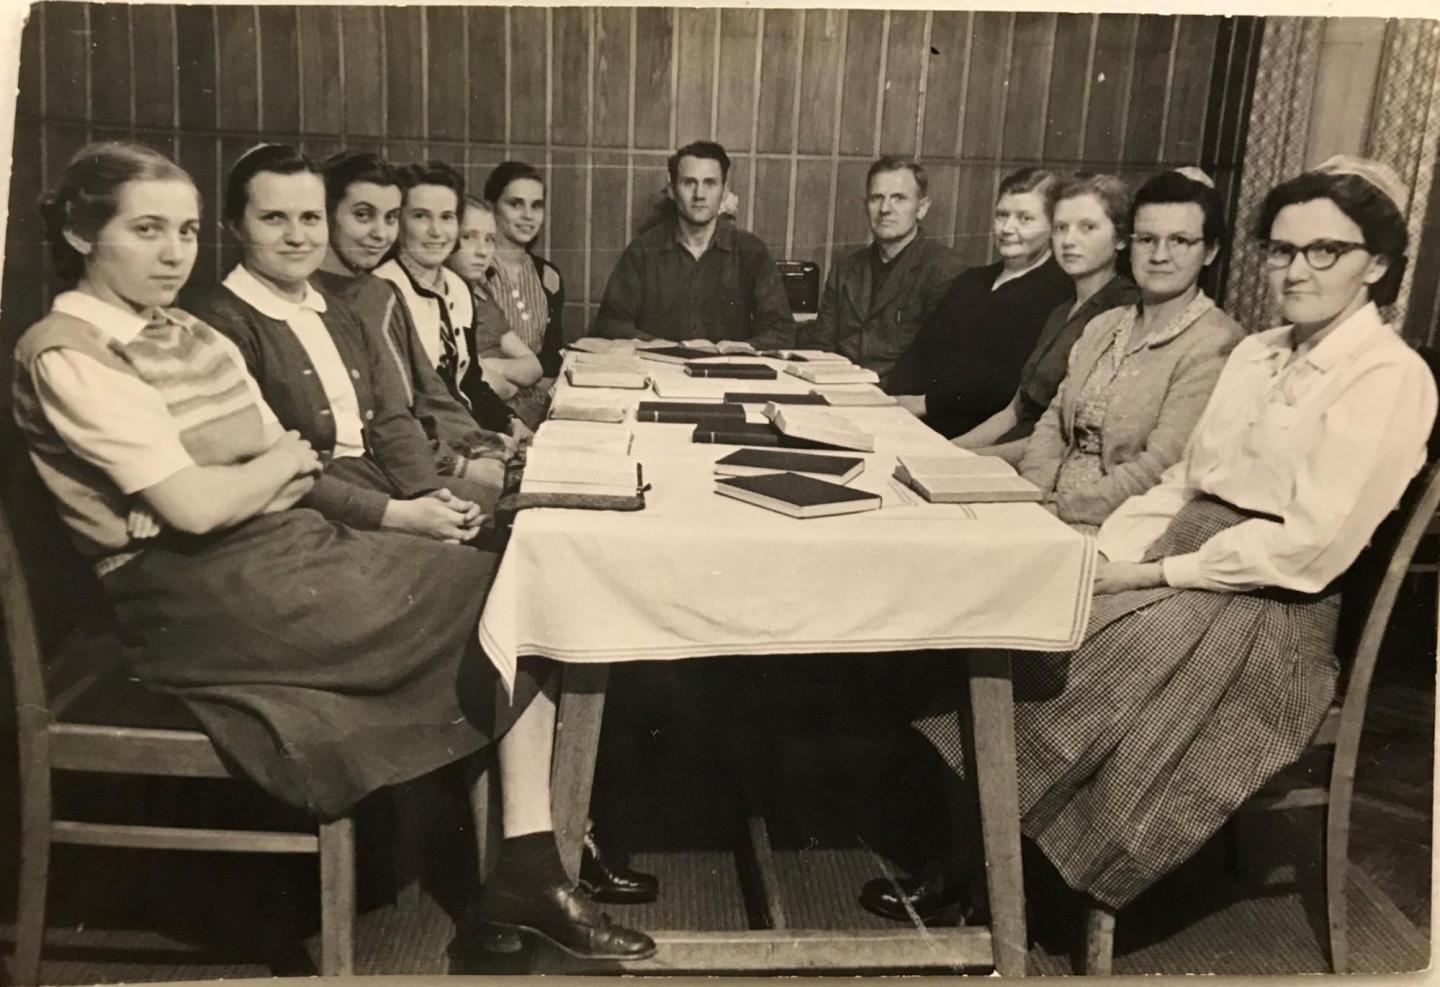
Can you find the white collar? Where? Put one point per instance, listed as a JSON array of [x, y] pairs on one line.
[[1005, 275], [253, 292], [117, 323], [1361, 327]]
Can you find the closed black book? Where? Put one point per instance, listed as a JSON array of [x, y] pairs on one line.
[[749, 462], [737, 433], [688, 412], [784, 397], [746, 371], [796, 495], [674, 354]]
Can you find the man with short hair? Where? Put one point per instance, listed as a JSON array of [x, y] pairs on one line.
[[694, 277], [877, 298]]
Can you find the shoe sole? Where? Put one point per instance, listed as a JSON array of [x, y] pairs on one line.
[[615, 898], [570, 949]]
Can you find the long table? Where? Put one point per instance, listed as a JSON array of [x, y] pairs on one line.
[[695, 575]]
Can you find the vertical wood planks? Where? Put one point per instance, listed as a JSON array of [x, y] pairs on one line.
[[154, 45], [485, 44], [772, 201], [739, 32], [985, 89], [528, 68], [817, 81], [611, 118], [361, 33], [905, 65], [1109, 88], [1189, 87], [696, 56], [110, 64], [779, 55], [565, 218], [1065, 114], [945, 86], [653, 60], [322, 107], [404, 68], [570, 80], [852, 225], [279, 70], [446, 68], [1031, 54], [1146, 120], [238, 64], [66, 52], [607, 217], [863, 47], [812, 225], [939, 222]]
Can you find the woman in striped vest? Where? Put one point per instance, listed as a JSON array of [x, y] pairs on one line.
[[326, 662]]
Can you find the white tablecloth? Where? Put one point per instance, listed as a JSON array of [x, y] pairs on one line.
[[697, 574]]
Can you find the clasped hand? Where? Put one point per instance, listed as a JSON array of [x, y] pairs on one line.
[[439, 514]]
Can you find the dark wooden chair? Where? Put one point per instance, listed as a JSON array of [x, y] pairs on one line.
[[97, 720], [1371, 588]]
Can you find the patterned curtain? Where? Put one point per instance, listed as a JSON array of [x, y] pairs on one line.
[[1275, 141], [1405, 124]]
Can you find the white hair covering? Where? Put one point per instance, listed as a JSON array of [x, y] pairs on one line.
[[1378, 174]]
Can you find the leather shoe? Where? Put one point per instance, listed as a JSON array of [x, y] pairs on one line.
[[930, 898], [605, 880], [561, 916]]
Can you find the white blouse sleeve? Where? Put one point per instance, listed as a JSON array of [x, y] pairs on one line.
[[112, 420], [1133, 527], [1359, 457]]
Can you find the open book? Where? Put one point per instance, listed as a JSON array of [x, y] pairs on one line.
[[964, 479], [854, 396], [559, 469], [829, 372]]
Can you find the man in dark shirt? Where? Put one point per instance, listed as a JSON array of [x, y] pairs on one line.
[[694, 277], [878, 297]]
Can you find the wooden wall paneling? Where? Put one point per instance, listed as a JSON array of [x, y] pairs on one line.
[[772, 201], [696, 57], [1189, 86], [945, 82], [939, 222], [1065, 113], [27, 265], [649, 178], [153, 40], [565, 218], [404, 72], [322, 107], [1154, 58], [321, 146], [1032, 52], [485, 44], [610, 123], [238, 100], [812, 218], [738, 181], [110, 64], [974, 208], [447, 67], [859, 101], [906, 61], [362, 67], [528, 69], [66, 62], [779, 76], [570, 80], [197, 155], [1109, 88], [231, 148], [279, 70], [985, 85], [823, 34], [403, 152], [608, 219], [735, 116], [32, 66], [852, 225], [654, 56], [480, 160]]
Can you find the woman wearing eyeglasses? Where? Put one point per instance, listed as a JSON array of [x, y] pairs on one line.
[[1207, 664], [1139, 376]]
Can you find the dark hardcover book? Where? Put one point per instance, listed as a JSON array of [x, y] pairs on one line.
[[749, 462], [738, 433], [747, 371], [779, 398], [675, 354], [796, 495], [688, 412]]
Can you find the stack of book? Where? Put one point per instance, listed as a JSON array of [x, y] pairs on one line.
[[818, 425], [964, 479]]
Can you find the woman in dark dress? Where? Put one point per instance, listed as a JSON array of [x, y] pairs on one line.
[[324, 661], [1207, 663], [963, 365]]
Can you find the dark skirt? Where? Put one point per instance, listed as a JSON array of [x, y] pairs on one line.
[[1134, 749], [323, 662]]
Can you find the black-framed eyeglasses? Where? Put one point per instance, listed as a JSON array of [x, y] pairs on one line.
[[1321, 255], [1177, 243]]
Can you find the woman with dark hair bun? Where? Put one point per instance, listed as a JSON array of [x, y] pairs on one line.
[[530, 288], [324, 661], [1208, 662]]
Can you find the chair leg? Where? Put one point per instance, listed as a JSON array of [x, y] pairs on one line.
[[484, 814], [1337, 856], [337, 898], [1099, 939], [35, 809], [407, 857]]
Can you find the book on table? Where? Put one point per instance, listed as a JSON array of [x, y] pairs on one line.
[[736, 347], [819, 425], [749, 462], [594, 376], [599, 344], [965, 479], [586, 408], [689, 412], [743, 371], [854, 396], [690, 388], [560, 469], [586, 436], [806, 356], [796, 495], [833, 373], [776, 397], [677, 353]]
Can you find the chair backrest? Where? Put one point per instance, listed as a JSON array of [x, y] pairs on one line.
[[801, 279]]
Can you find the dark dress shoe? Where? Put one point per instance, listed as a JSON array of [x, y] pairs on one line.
[[930, 898], [605, 880], [561, 916]]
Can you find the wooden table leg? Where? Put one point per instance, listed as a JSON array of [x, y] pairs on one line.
[[992, 709], [577, 740]]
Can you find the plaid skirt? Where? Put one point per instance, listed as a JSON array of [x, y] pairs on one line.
[[322, 661], [1134, 749]]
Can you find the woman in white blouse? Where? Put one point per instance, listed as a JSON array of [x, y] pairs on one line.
[[1208, 662]]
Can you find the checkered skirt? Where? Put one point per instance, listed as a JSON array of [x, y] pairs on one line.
[[1180, 705]]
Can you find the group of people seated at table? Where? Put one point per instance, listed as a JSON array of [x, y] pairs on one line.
[[286, 489]]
